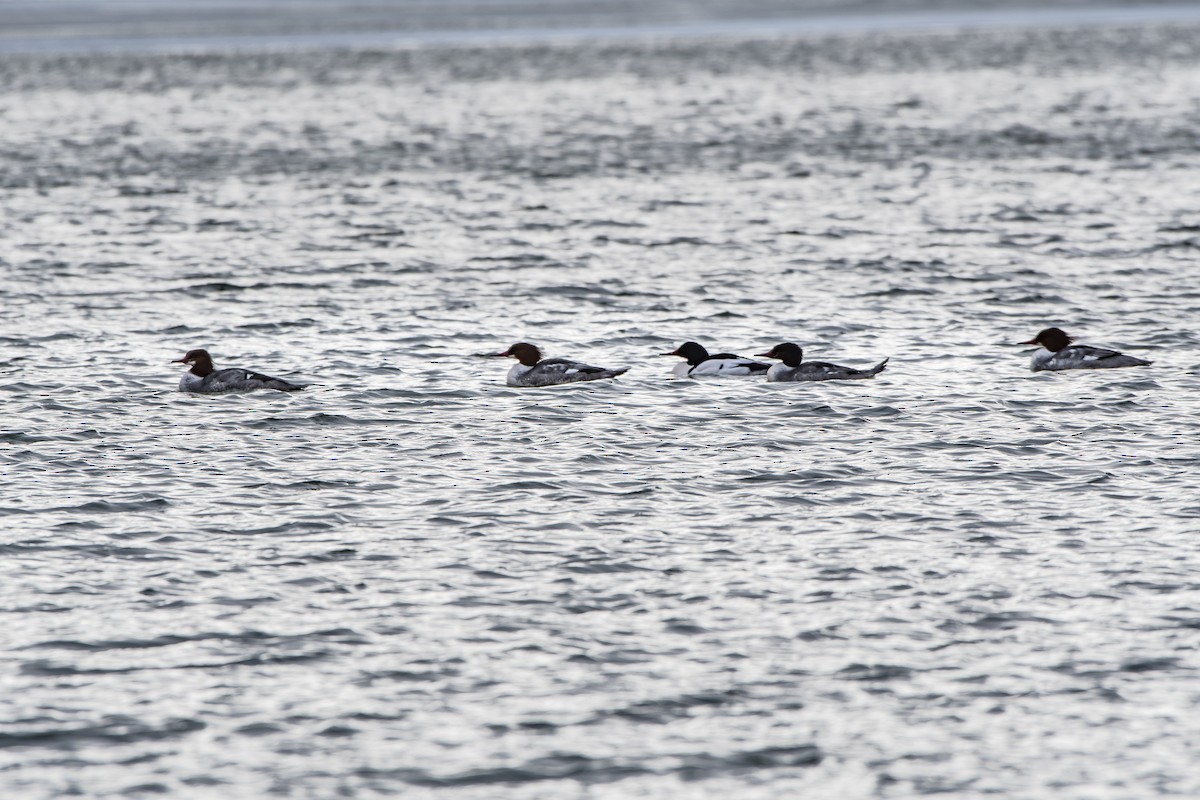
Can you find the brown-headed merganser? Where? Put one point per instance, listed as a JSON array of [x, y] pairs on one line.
[[533, 370], [1057, 353], [203, 379]]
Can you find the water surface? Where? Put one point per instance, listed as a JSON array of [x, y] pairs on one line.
[[959, 578]]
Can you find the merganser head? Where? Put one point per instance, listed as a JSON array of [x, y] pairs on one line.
[[788, 353], [693, 352], [529, 355], [200, 360], [1053, 339]]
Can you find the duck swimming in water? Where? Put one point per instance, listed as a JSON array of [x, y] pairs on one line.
[[700, 364], [1058, 353], [202, 378], [794, 368], [533, 370]]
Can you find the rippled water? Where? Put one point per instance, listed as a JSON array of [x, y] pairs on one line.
[[958, 578]]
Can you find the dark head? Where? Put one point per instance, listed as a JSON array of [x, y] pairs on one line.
[[693, 352], [524, 352], [200, 360], [788, 353], [1053, 339]]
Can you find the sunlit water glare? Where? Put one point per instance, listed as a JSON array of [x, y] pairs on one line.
[[957, 578]]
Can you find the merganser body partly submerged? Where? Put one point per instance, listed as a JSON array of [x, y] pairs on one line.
[[533, 370], [794, 368], [699, 363], [203, 379], [1058, 353]]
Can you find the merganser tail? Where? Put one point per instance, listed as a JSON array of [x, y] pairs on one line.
[[875, 370]]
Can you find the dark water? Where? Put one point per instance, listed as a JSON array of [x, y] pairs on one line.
[[959, 578]]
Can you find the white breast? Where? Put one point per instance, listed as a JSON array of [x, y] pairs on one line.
[[516, 374], [1040, 360], [681, 370], [779, 372], [190, 382]]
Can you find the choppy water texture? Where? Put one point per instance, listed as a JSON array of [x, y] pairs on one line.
[[959, 578]]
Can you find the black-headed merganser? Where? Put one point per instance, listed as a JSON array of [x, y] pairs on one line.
[[700, 364], [793, 370], [533, 370], [1058, 353], [203, 379]]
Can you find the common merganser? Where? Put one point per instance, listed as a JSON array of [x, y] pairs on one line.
[[793, 370], [202, 378], [700, 363], [533, 370], [1058, 353]]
